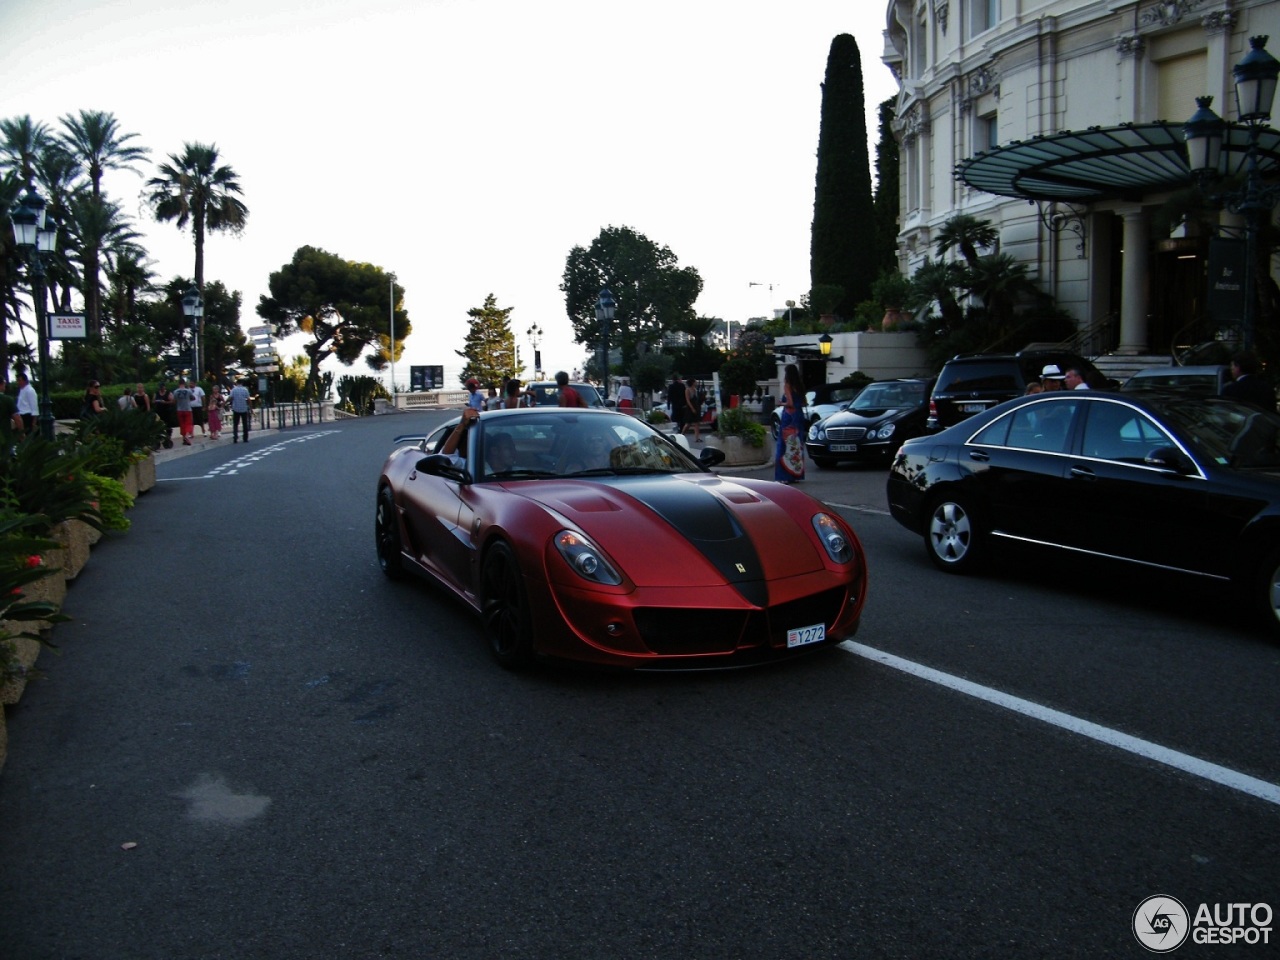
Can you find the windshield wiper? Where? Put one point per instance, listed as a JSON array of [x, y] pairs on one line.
[[520, 473]]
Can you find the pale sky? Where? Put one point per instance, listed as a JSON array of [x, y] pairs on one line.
[[465, 145]]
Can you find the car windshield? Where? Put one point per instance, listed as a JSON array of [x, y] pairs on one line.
[[529, 445], [889, 396], [1232, 434], [548, 394]]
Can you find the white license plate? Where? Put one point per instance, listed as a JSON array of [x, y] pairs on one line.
[[804, 635], [844, 448], [972, 407]]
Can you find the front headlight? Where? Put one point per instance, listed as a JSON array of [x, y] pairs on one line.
[[885, 432], [585, 558], [816, 433], [833, 538]]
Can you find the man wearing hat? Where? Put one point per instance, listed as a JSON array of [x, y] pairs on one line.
[[476, 399], [1051, 377]]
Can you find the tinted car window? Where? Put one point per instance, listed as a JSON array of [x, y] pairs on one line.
[[1114, 431], [885, 396], [1038, 426], [960, 377]]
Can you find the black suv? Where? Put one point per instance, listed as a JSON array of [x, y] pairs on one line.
[[969, 384]]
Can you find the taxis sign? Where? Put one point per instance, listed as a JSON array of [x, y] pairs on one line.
[[67, 326]]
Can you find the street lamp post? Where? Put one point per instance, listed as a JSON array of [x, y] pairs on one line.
[[1209, 146], [791, 305], [193, 308], [605, 308], [34, 232], [534, 334]]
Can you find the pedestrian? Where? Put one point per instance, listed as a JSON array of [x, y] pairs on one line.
[[11, 427], [789, 456], [197, 406], [92, 406], [215, 411], [28, 404], [239, 411], [164, 408], [514, 398], [475, 399], [493, 401], [676, 402], [1073, 379], [566, 395], [693, 409], [1051, 377], [125, 401], [140, 399], [1248, 382], [626, 397], [182, 400]]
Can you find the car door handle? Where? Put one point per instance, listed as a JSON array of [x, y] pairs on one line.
[[1084, 473], [980, 455]]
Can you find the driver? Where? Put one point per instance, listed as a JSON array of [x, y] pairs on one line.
[[592, 454], [500, 452]]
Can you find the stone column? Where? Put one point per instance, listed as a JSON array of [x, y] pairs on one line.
[[1133, 283]]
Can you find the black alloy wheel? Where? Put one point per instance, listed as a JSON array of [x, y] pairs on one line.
[[386, 529], [504, 609]]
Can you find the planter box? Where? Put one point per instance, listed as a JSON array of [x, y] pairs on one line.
[[51, 588], [130, 481], [738, 452], [25, 651], [73, 537], [145, 473]]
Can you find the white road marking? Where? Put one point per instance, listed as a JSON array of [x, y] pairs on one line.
[[1224, 776], [246, 459]]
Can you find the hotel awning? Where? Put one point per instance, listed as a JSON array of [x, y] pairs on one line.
[[1126, 162]]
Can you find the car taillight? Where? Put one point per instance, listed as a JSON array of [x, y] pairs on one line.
[[933, 408]]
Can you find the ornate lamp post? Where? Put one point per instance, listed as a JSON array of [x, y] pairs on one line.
[[534, 334], [34, 233], [193, 308], [1210, 143], [605, 308]]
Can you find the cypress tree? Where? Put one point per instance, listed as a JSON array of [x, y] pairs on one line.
[[843, 241], [886, 199]]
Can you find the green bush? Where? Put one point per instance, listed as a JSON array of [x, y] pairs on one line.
[[736, 422], [137, 430], [113, 501], [47, 479]]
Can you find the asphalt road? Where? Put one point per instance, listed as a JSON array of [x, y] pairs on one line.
[[316, 762]]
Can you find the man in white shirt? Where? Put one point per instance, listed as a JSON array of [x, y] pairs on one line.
[[28, 404], [239, 412], [1074, 379], [197, 405]]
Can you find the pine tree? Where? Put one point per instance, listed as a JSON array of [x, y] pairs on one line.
[[490, 346], [843, 241]]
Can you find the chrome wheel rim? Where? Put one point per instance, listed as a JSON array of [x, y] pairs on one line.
[[950, 532]]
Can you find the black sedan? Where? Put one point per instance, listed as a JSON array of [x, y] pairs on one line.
[[1186, 484], [872, 427]]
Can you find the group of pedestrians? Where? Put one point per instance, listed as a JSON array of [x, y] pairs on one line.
[[183, 407]]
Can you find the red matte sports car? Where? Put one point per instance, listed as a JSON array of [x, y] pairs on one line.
[[587, 535]]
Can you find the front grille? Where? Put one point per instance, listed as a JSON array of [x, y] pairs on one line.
[[841, 434], [673, 631]]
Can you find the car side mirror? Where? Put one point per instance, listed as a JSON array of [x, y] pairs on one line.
[[711, 456], [1169, 458], [440, 465]]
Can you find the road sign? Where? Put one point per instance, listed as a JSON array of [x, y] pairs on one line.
[[266, 368], [265, 356], [266, 330]]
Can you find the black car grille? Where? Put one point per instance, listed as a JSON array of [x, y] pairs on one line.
[[677, 630], [841, 434]]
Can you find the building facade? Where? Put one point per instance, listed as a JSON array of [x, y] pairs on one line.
[[976, 75]]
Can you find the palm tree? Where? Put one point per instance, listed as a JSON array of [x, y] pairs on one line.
[[966, 233], [94, 139], [21, 141], [193, 188]]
